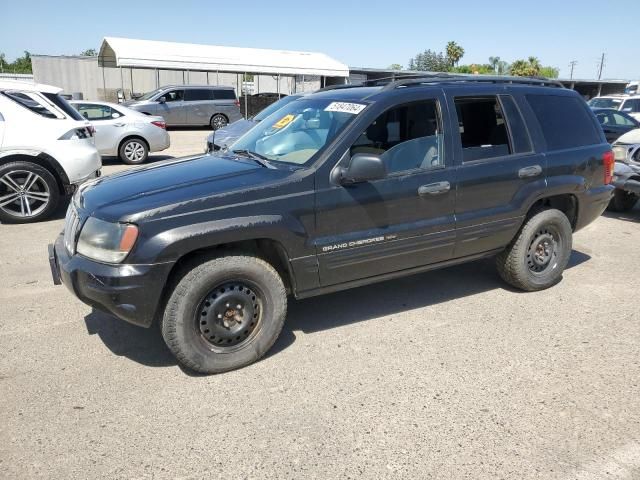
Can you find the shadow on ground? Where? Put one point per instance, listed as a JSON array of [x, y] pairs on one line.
[[315, 314], [632, 215], [152, 158]]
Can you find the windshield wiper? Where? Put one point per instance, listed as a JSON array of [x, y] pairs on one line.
[[256, 157]]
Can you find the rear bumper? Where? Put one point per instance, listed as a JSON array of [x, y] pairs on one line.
[[132, 293], [592, 203], [159, 140]]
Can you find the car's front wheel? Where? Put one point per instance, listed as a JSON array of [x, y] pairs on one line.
[[536, 258], [134, 151], [224, 313], [28, 192]]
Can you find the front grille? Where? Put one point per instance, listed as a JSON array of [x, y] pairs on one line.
[[71, 222]]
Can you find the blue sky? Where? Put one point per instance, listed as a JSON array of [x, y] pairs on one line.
[[370, 34]]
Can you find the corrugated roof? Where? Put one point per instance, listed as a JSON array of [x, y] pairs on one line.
[[127, 52]]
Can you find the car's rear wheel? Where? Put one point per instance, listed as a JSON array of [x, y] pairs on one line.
[[539, 254], [218, 121], [622, 201], [224, 313], [28, 192], [134, 151]]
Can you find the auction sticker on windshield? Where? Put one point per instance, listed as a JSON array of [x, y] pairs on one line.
[[345, 107], [284, 121]]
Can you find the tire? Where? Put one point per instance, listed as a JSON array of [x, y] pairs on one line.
[[134, 151], [218, 121], [622, 201], [536, 258], [28, 193], [224, 313]]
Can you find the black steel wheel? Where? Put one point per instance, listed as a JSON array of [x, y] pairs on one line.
[[538, 255], [224, 313]]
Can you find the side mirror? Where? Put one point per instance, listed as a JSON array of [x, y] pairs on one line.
[[364, 167], [162, 99], [115, 115]]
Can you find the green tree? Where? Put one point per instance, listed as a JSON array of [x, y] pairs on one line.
[[526, 68], [454, 53], [21, 64], [430, 61], [395, 66], [89, 52], [549, 72], [2, 62]]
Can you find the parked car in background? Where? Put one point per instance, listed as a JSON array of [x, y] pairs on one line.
[[338, 189], [227, 135], [122, 132], [615, 123], [46, 150], [626, 177], [629, 104], [192, 105]]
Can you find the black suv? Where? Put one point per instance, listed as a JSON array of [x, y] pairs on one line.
[[338, 189]]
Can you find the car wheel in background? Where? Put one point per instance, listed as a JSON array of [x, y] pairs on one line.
[[224, 313], [536, 258], [134, 151], [218, 121], [28, 192], [622, 201]]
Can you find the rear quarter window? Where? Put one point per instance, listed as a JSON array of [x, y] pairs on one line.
[[564, 120], [224, 95]]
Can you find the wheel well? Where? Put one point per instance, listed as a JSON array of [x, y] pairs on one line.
[[566, 203], [45, 161], [130, 137], [266, 249]]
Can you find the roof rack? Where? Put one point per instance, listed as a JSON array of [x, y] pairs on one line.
[[425, 79]]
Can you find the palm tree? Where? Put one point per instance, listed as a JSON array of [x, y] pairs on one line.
[[454, 53], [2, 60], [494, 62]]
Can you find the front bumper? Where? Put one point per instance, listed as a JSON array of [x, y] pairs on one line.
[[132, 293], [627, 177]]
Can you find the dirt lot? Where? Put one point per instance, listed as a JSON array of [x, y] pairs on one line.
[[446, 375]]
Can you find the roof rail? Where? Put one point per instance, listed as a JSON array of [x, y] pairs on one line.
[[425, 79]]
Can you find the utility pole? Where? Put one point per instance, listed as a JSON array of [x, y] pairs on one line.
[[572, 64], [600, 67]]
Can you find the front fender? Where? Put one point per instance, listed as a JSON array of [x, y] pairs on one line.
[[172, 244]]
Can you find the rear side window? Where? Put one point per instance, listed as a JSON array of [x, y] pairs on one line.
[[95, 112], [35, 103], [520, 140], [565, 121], [224, 95], [631, 106], [482, 126], [198, 94], [63, 105]]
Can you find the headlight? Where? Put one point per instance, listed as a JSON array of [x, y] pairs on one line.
[[105, 241]]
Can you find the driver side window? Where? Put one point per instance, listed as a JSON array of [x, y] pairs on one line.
[[407, 137], [174, 95]]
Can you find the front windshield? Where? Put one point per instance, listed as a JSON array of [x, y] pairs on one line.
[[148, 95], [296, 132], [605, 103], [277, 105]]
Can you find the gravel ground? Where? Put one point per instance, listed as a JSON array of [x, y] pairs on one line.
[[448, 375]]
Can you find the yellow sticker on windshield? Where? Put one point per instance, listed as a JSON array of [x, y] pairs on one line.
[[284, 121]]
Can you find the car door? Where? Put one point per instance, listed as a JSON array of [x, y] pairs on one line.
[[497, 168], [173, 108], [108, 129], [198, 104], [401, 221]]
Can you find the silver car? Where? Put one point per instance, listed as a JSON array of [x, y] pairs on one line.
[[123, 132], [193, 105]]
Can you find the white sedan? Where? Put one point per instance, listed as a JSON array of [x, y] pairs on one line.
[[123, 132]]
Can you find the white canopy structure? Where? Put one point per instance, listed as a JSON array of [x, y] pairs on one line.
[[125, 52]]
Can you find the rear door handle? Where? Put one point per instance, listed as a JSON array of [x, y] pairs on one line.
[[532, 171], [434, 189], [118, 124]]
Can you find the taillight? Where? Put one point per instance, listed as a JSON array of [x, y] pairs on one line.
[[160, 123], [609, 161], [237, 102]]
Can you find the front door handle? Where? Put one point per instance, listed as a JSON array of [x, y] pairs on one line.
[[532, 171], [118, 124], [434, 189]]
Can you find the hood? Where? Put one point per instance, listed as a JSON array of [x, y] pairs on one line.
[[227, 135], [629, 138], [165, 186]]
